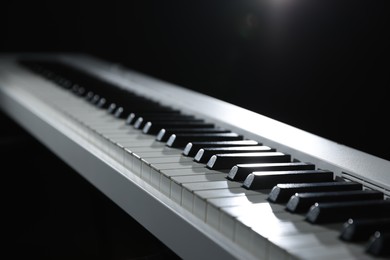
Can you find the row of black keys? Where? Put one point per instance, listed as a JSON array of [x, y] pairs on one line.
[[303, 188]]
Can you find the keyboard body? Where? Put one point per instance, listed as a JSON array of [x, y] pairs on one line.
[[114, 158]]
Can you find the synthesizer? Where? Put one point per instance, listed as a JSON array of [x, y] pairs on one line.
[[211, 180]]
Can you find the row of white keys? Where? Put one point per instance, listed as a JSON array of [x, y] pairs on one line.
[[264, 229]]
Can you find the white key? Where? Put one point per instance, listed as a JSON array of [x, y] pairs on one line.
[[322, 244], [253, 214], [173, 185], [188, 189], [145, 170], [212, 210], [163, 154], [342, 251], [136, 164], [147, 162], [154, 159], [188, 171], [202, 207], [164, 176], [128, 144], [199, 178], [163, 150], [181, 165], [158, 176], [237, 200], [126, 136], [128, 159]]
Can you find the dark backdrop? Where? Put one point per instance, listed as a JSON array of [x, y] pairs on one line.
[[319, 65]]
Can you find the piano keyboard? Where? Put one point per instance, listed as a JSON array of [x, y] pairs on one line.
[[207, 178]]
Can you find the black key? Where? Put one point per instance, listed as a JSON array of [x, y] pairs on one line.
[[89, 95], [153, 128], [181, 140], [81, 91], [136, 113], [379, 244], [301, 202], [361, 229], [267, 180], [282, 192], [204, 154], [118, 112], [63, 82], [112, 108], [227, 161], [78, 90], [123, 111], [132, 107], [328, 212], [141, 121], [193, 147], [129, 101], [135, 107], [102, 103], [164, 134], [95, 99], [241, 171]]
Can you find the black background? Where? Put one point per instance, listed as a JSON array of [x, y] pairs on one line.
[[321, 66]]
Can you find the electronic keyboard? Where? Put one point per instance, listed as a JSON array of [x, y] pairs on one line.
[[209, 179]]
